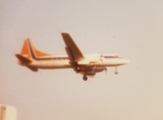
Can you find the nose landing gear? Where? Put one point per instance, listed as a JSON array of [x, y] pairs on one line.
[[105, 71], [116, 70]]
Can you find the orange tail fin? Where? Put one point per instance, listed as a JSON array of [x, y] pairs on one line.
[[29, 51], [25, 50], [36, 52]]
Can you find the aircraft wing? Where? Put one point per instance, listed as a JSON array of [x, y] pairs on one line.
[[72, 49]]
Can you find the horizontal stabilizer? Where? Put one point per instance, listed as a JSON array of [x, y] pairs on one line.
[[22, 58]]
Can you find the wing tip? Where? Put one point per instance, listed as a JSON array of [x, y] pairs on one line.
[[65, 33]]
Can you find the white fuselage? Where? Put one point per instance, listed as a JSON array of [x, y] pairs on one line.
[[56, 62]]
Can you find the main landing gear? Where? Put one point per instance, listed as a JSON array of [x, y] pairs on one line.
[[85, 78]]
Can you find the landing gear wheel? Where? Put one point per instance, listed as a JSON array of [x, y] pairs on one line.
[[85, 78], [116, 72]]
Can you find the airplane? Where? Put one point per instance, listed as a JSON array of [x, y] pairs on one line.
[[87, 65]]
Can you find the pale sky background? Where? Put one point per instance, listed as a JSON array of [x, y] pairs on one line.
[[133, 29]]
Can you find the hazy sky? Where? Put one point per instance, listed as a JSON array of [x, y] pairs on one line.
[[133, 29]]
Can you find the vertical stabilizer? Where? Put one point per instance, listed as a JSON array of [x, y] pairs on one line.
[[34, 51], [30, 52], [25, 50]]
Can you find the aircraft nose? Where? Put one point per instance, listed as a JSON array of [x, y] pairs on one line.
[[126, 61]]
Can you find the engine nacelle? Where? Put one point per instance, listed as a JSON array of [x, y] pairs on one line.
[[99, 69], [90, 71]]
